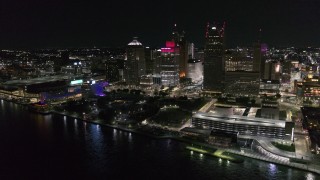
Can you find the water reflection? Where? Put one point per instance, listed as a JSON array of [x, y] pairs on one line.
[[60, 142], [130, 138], [310, 176], [272, 168]]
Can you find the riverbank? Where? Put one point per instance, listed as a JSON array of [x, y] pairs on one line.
[[216, 153], [310, 167]]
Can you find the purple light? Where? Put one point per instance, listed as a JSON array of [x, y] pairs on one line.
[[98, 88]]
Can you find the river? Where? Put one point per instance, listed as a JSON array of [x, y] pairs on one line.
[[34, 146]]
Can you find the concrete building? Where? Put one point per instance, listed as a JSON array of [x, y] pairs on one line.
[[195, 70], [169, 64], [213, 69], [113, 70], [242, 83], [50, 89], [135, 65], [243, 125]]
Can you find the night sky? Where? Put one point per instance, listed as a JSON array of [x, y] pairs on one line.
[[47, 23]]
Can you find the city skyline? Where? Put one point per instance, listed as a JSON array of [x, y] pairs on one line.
[[39, 24]]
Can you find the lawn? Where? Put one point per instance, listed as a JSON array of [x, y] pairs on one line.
[[290, 148], [171, 117]]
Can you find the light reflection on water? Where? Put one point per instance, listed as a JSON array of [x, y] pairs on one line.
[[130, 137], [310, 176], [94, 150], [272, 169]]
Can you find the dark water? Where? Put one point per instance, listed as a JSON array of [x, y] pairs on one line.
[[54, 147]]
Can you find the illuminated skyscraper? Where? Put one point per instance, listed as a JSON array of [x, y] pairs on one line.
[[169, 64], [213, 69], [135, 65]]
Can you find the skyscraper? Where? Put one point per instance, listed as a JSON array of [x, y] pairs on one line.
[[181, 49], [149, 60], [113, 68], [213, 70], [169, 65], [135, 65], [256, 57]]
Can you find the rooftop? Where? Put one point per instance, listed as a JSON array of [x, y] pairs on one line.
[[135, 42], [235, 119], [40, 80]]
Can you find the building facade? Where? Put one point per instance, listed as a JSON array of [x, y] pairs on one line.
[[213, 69], [243, 125], [135, 65]]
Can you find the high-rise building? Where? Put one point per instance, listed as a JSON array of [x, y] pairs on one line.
[[149, 60], [237, 60], [263, 51], [256, 57], [156, 56], [272, 71], [191, 50], [213, 70], [135, 65], [181, 48], [62, 61], [113, 70], [195, 70], [169, 64]]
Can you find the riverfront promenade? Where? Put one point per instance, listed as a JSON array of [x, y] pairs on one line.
[[263, 155]]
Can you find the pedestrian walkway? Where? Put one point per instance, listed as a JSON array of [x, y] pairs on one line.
[[273, 159], [207, 106]]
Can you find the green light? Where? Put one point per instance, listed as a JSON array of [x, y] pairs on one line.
[[80, 81]]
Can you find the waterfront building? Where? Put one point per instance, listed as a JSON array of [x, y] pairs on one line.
[[243, 125], [50, 89]]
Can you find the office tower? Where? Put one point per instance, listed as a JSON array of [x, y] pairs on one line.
[[195, 70], [191, 50], [149, 60], [181, 46], [256, 57], [272, 71], [113, 70], [135, 65], [263, 50], [169, 64], [156, 56], [238, 60], [199, 54], [62, 61], [213, 70]]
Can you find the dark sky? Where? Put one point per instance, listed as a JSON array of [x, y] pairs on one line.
[[61, 23]]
